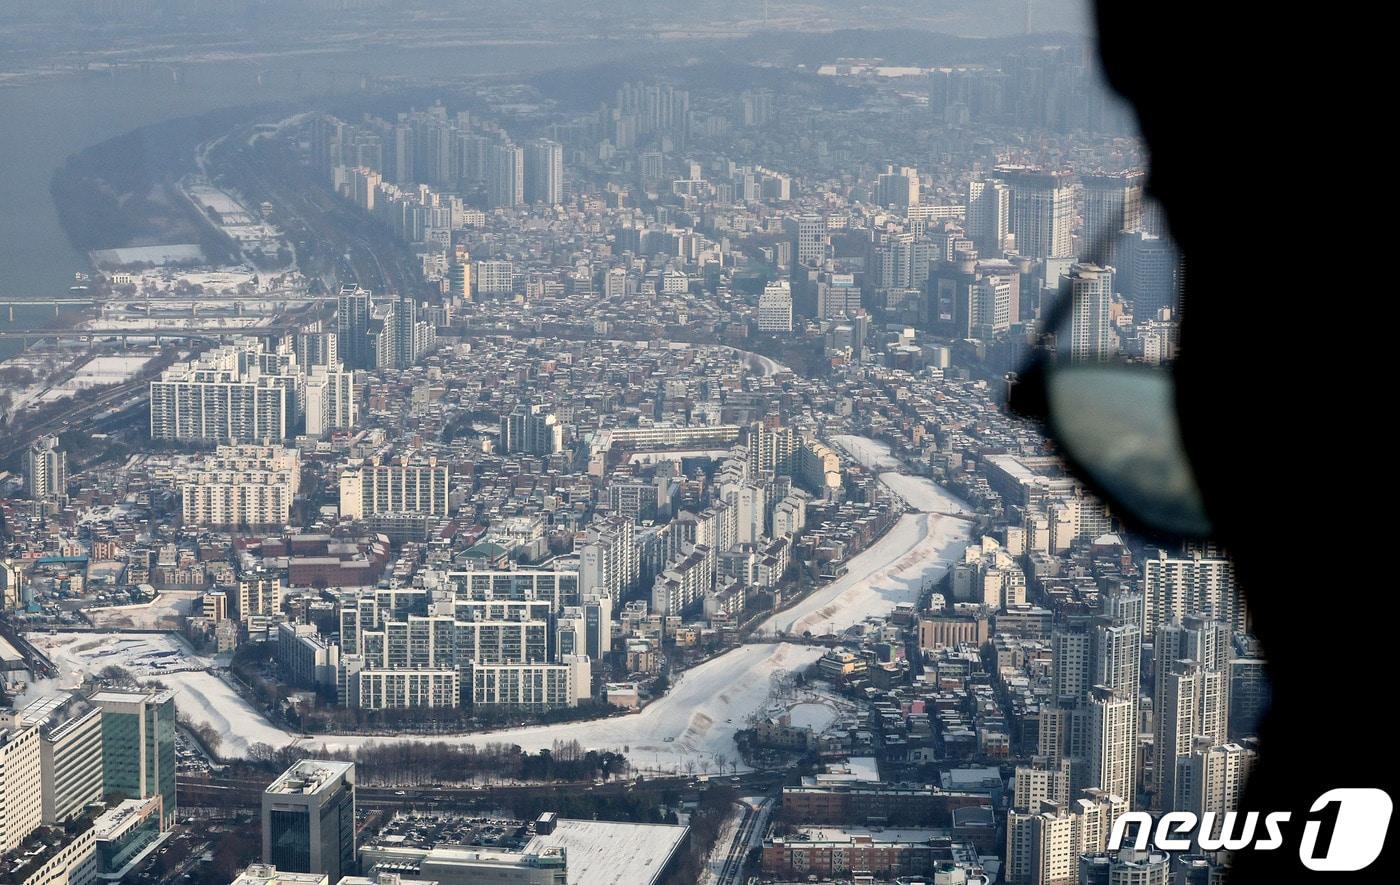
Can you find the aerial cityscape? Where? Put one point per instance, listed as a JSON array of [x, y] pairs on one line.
[[587, 467]]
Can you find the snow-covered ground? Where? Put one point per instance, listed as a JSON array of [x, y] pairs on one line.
[[917, 551], [694, 723], [162, 613], [866, 452], [199, 694], [99, 371]]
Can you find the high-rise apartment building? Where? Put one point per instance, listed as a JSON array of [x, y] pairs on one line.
[[544, 172], [1213, 779], [45, 470], [352, 326], [401, 485], [1112, 207], [1091, 323], [988, 216], [1200, 581], [897, 187], [505, 176], [1042, 211], [1191, 701], [237, 392], [330, 400], [242, 485]]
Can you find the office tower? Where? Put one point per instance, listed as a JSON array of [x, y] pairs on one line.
[[989, 215], [1199, 581], [597, 625], [1112, 207], [505, 176], [1091, 325], [897, 187], [138, 747], [308, 819], [352, 326], [71, 758], [21, 807], [1150, 274], [1249, 696], [774, 313], [45, 470], [544, 172], [972, 298], [330, 400], [808, 236], [1042, 211], [404, 485]]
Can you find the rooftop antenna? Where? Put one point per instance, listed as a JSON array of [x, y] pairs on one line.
[[1030, 5], [765, 13]]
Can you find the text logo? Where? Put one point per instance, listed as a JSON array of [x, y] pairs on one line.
[[1344, 831]]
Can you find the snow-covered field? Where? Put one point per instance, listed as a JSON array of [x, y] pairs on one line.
[[97, 372], [162, 613], [199, 694], [916, 551], [866, 452], [695, 722]]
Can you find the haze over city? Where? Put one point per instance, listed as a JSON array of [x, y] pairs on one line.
[[568, 442]]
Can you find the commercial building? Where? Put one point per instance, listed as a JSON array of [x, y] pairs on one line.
[[138, 747], [71, 758], [21, 806], [308, 819]]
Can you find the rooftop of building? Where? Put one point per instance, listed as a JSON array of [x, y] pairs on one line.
[[310, 776], [603, 852]]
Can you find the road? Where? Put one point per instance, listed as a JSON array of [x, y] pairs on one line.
[[247, 792], [750, 831]]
